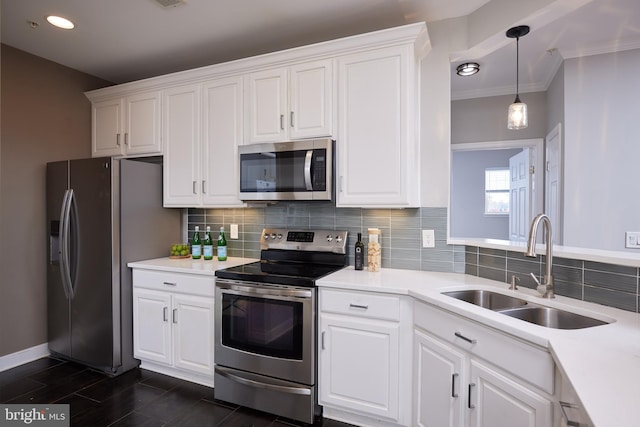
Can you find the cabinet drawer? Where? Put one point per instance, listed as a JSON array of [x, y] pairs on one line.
[[362, 304], [174, 282], [531, 363]]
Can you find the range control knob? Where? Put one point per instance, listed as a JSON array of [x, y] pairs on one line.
[[265, 237], [339, 238], [329, 238], [279, 236], [273, 235]]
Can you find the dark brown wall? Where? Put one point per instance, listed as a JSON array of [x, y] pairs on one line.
[[45, 117]]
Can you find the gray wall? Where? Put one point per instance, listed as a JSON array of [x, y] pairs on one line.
[[467, 194], [45, 117], [485, 119]]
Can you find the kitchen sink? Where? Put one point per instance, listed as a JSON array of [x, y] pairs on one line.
[[552, 317], [486, 299]]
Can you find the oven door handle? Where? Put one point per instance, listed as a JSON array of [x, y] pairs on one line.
[[264, 291], [257, 384], [307, 170]]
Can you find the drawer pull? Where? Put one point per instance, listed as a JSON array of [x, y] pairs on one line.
[[453, 385], [169, 283], [175, 315], [469, 404], [165, 314], [361, 307], [322, 340], [563, 409], [469, 340]]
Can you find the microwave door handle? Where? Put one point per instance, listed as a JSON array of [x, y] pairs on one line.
[[307, 170]]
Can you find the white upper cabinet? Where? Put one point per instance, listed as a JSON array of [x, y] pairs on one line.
[[290, 102], [127, 126], [378, 142]]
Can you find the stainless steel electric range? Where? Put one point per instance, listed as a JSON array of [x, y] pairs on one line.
[[266, 322]]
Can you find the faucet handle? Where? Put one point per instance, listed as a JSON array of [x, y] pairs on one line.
[[539, 286]]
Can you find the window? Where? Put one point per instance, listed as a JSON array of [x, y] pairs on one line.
[[496, 191]]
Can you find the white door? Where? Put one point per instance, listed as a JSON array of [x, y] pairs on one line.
[[181, 134], [266, 106], [553, 182], [521, 198], [497, 400], [152, 325], [359, 365], [222, 135], [311, 100], [142, 131], [192, 319], [439, 383], [106, 127]]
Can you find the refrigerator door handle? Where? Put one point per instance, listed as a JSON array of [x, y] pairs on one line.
[[72, 232], [64, 243]]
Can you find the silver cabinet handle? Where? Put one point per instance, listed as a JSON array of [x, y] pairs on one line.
[[204, 191], [174, 315], [291, 119], [170, 283], [126, 138], [165, 314], [469, 404], [469, 340], [453, 385], [281, 121], [118, 139], [194, 187], [322, 340], [361, 307], [563, 409], [341, 181]]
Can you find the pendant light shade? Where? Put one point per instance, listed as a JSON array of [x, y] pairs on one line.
[[517, 117]]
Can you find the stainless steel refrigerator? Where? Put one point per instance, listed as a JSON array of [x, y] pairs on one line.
[[101, 214]]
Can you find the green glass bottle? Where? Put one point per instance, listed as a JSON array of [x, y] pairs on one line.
[[196, 246], [222, 246], [207, 245]]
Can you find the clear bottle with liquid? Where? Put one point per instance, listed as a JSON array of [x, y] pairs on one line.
[[196, 245], [207, 245], [222, 246]]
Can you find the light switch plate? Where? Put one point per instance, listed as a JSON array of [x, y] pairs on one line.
[[234, 231], [428, 239], [632, 239]]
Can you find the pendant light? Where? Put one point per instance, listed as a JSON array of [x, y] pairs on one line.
[[517, 117]]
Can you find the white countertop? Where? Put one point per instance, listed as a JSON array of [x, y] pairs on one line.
[[602, 363], [189, 265]]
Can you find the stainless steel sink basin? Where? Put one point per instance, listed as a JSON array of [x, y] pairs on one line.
[[552, 317], [486, 299]]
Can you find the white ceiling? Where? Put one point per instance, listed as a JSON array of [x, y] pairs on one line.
[[126, 40]]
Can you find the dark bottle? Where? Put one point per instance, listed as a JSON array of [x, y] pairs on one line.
[[222, 246], [196, 245], [207, 245], [359, 253]]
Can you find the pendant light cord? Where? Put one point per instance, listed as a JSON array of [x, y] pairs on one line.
[[517, 69]]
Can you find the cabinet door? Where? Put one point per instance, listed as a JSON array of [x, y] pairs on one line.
[[359, 365], [106, 128], [495, 399], [439, 383], [378, 148], [192, 319], [142, 130], [181, 135], [151, 326], [311, 100], [266, 105], [222, 135]]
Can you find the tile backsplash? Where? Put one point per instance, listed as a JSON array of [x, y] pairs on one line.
[[607, 284], [401, 231]]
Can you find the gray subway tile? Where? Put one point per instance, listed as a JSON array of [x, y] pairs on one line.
[[612, 281], [611, 268], [622, 300], [492, 273]]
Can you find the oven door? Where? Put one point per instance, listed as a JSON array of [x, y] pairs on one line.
[[266, 329]]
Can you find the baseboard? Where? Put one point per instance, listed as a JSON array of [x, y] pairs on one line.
[[23, 356]]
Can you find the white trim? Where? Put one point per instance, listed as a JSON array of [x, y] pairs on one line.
[[23, 356]]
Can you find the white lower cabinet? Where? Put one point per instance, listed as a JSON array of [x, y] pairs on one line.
[[466, 374], [364, 357], [173, 324]]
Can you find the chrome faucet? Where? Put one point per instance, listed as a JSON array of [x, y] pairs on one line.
[[546, 287]]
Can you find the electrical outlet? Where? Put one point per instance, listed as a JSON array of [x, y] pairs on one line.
[[234, 231], [428, 239], [632, 239]]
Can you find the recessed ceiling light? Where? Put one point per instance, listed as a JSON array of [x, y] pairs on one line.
[[60, 22], [468, 69]]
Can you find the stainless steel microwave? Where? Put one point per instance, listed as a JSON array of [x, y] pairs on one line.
[[295, 170]]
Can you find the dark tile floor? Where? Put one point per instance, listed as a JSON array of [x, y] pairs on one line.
[[135, 398]]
